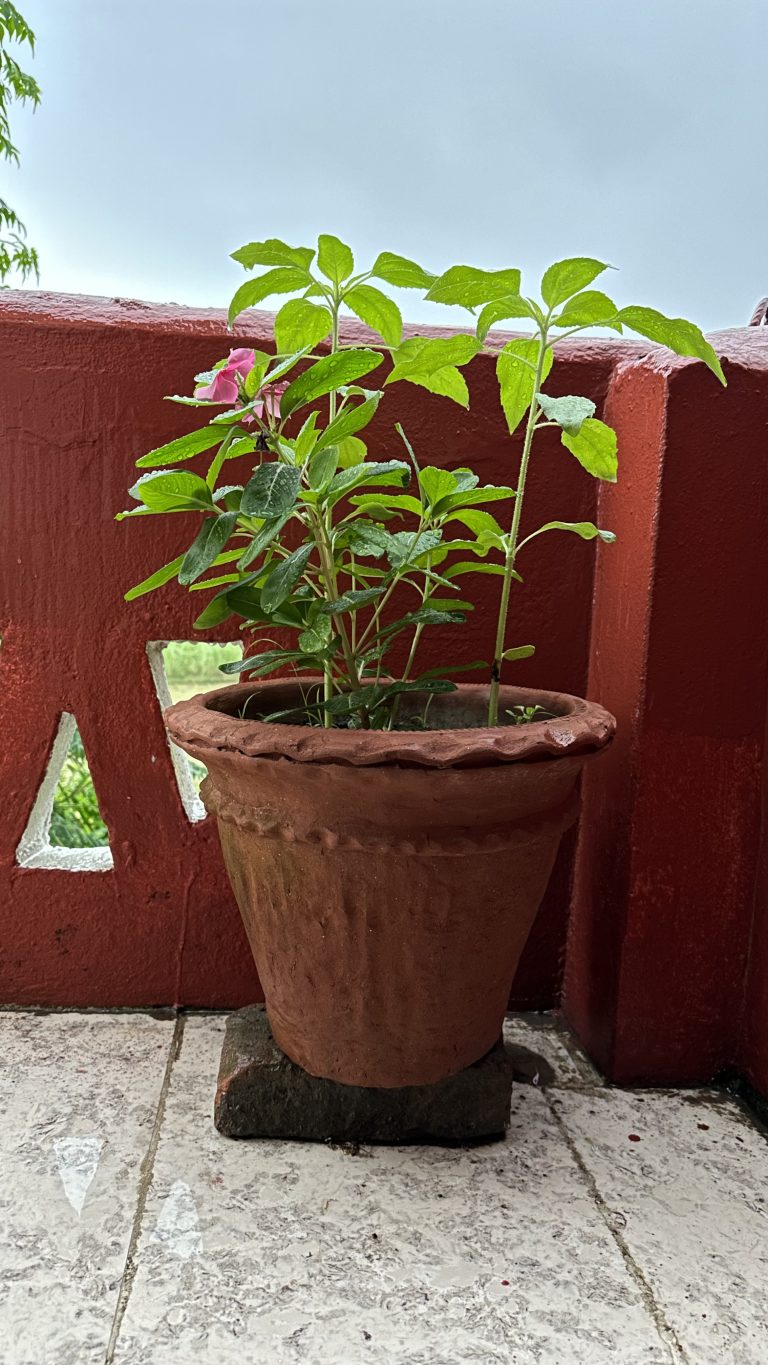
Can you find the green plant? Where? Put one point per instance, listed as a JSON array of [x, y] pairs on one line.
[[313, 541], [75, 819], [15, 84]]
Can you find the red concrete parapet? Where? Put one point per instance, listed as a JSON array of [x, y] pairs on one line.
[[662, 918]]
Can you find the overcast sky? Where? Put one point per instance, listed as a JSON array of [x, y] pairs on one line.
[[487, 132]]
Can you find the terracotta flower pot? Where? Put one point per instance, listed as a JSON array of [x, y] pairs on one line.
[[388, 881]]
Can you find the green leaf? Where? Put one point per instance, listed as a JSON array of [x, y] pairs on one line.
[[368, 539], [425, 355], [207, 545], [353, 417], [378, 473], [352, 600], [329, 373], [273, 252], [590, 309], [307, 439], [252, 381], [376, 311], [586, 529], [473, 497], [284, 279], [515, 371], [437, 483], [447, 383], [155, 580], [467, 286], [351, 452], [482, 523], [334, 258], [569, 412], [566, 278], [263, 537], [501, 311], [322, 468], [271, 491], [300, 324], [400, 272], [677, 334], [406, 547], [317, 637], [401, 502], [214, 612], [173, 491], [281, 580], [470, 566], [519, 652], [595, 449], [183, 448], [285, 365]]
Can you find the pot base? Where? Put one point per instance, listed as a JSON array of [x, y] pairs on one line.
[[262, 1093]]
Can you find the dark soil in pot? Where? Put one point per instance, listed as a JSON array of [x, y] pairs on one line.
[[388, 880]]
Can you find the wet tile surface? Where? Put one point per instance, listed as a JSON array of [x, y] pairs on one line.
[[610, 1226], [685, 1177], [78, 1097], [427, 1256]]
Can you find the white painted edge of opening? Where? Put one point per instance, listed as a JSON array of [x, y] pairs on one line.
[[35, 849], [193, 806]]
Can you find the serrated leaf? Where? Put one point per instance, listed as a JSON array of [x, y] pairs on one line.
[[401, 502], [406, 547], [400, 272], [679, 335], [515, 371], [334, 258], [155, 580], [331, 372], [482, 523], [566, 278], [446, 383], [368, 539], [474, 497], [569, 412], [183, 448], [282, 579], [470, 566], [207, 545], [595, 449], [271, 491], [284, 279], [376, 311], [589, 309], [174, 491], [426, 355], [467, 286], [301, 324], [502, 310], [353, 417], [273, 252]]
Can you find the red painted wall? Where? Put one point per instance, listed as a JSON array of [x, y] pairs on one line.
[[81, 395], [667, 965]]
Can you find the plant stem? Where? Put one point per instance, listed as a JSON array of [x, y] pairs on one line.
[[325, 528], [512, 542]]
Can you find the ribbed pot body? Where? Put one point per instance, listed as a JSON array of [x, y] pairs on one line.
[[387, 903]]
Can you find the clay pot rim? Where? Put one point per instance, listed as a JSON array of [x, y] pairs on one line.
[[201, 725]]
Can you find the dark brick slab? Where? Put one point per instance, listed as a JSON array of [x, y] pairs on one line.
[[261, 1093]]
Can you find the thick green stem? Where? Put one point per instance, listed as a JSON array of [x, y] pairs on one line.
[[512, 542]]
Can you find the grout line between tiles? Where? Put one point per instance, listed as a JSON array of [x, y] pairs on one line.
[[669, 1338], [145, 1180]]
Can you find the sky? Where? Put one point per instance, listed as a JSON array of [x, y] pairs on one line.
[[484, 132]]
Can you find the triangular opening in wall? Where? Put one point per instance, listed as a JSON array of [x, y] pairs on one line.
[[180, 669], [65, 828]]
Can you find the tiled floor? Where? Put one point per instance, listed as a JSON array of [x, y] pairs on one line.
[[627, 1227]]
